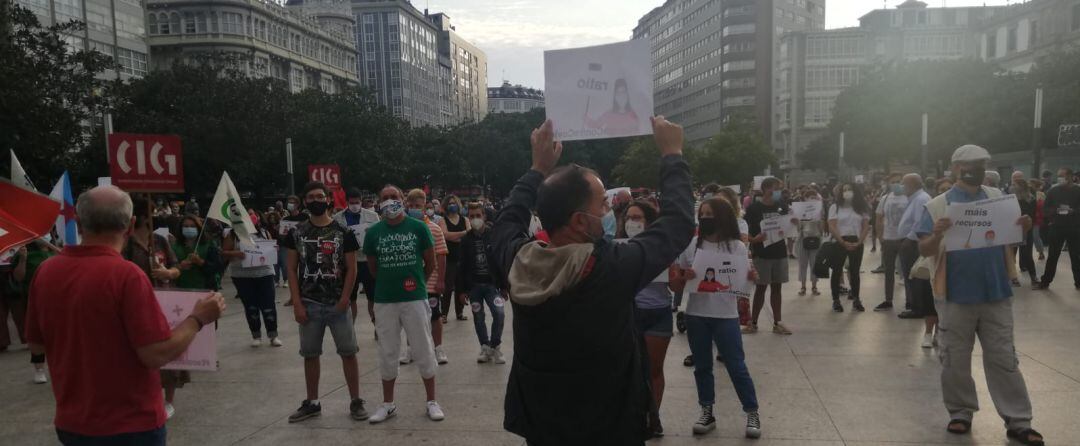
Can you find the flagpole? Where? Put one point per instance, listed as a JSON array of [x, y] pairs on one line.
[[202, 228]]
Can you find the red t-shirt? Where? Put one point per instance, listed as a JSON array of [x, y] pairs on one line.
[[91, 309]]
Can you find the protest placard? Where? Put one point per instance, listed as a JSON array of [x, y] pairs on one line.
[[662, 278], [757, 182], [716, 271], [263, 253], [859, 179], [983, 224], [603, 91], [777, 228], [202, 353], [735, 188], [285, 226], [806, 210]]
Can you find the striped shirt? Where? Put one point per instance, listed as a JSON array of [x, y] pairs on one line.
[[440, 250]]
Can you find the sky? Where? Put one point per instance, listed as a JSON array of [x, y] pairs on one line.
[[515, 33]]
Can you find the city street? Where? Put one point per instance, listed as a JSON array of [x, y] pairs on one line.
[[840, 379]]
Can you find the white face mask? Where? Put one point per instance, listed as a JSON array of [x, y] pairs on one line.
[[355, 208], [477, 223], [392, 209], [1061, 180], [430, 212], [848, 195], [633, 228]]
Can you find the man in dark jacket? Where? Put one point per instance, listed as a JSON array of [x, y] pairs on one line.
[[576, 377]]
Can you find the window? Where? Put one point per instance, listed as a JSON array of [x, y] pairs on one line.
[[130, 26], [1010, 41], [738, 65], [232, 23], [213, 22], [131, 62], [949, 17], [745, 28], [151, 23], [1033, 38], [189, 23], [200, 22], [819, 111], [1076, 18], [909, 18], [991, 46], [99, 17]]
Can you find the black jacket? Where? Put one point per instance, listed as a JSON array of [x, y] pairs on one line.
[[467, 276], [576, 377]]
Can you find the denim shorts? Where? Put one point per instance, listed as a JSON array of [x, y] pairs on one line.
[[655, 322], [321, 317]]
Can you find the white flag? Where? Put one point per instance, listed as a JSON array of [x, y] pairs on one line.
[[228, 209], [18, 175]]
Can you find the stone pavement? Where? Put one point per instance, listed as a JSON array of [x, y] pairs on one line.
[[840, 379]]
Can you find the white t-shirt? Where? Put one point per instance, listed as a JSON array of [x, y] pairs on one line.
[[744, 229], [892, 206], [848, 222], [722, 305]]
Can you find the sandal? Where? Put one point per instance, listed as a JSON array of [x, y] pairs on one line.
[[1024, 436], [816, 292], [802, 291], [964, 429]]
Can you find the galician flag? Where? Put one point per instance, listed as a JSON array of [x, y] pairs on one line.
[[18, 175], [65, 222], [228, 209]]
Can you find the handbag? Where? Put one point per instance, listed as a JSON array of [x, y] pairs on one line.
[[825, 259], [811, 243]]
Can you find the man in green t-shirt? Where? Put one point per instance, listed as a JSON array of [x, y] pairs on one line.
[[401, 254]]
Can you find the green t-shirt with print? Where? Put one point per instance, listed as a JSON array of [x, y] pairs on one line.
[[399, 256]]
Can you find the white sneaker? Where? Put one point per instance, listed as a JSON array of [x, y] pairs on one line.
[[440, 356], [406, 356], [169, 410], [40, 377], [275, 342], [434, 411], [484, 356], [928, 340], [497, 355], [383, 412], [256, 343]]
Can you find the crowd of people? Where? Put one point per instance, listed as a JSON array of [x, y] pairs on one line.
[[597, 283]]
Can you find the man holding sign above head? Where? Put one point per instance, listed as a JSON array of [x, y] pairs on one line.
[[577, 375], [769, 251], [975, 285]]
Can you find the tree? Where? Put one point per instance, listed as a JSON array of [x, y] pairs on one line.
[[732, 156], [48, 95], [639, 165]]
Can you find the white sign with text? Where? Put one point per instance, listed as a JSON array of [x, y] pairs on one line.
[[983, 224]]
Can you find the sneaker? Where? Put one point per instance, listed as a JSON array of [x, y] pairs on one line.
[[462, 317], [878, 270], [256, 343], [750, 329], [444, 320], [928, 340], [780, 329], [306, 410], [357, 411], [406, 356], [802, 291], [275, 342], [169, 411], [857, 306], [1039, 286], [753, 425], [908, 314], [836, 306], [40, 377], [497, 355], [706, 423], [383, 412], [434, 411], [884, 306], [680, 322], [656, 428], [815, 292], [484, 356], [440, 356]]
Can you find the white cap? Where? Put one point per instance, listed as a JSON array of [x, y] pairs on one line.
[[970, 152]]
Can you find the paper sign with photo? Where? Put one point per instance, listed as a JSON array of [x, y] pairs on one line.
[[757, 182], [596, 92], [806, 210], [716, 272], [662, 278], [202, 353], [285, 226], [776, 229], [984, 223], [262, 254]]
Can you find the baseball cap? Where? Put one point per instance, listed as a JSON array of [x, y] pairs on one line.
[[970, 152]]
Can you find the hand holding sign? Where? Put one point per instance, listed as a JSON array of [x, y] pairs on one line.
[[668, 136], [545, 150]]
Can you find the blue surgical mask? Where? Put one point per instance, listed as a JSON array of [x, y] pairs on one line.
[[777, 195], [897, 189], [608, 221], [190, 232], [416, 213], [453, 209]]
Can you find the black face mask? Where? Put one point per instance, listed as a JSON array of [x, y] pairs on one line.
[[317, 207], [706, 226], [973, 176]]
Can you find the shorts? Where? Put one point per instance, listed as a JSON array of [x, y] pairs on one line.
[[770, 271], [363, 277], [321, 317], [435, 302], [654, 322]]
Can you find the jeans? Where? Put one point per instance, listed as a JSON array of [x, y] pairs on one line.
[[889, 250], [155, 437], [1037, 238], [320, 317], [807, 257], [854, 261], [702, 332], [257, 295], [488, 294], [1056, 238]]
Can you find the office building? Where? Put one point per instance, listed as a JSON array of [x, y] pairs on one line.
[[1018, 38], [712, 59], [468, 72], [113, 27], [513, 98], [307, 46]]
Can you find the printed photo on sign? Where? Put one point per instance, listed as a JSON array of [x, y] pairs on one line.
[[718, 272], [806, 210], [263, 253], [286, 226], [596, 92], [662, 278], [202, 353], [983, 224]]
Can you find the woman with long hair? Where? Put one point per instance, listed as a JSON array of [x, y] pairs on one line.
[[199, 264], [621, 118], [255, 286], [808, 244], [849, 224], [713, 318], [457, 226]]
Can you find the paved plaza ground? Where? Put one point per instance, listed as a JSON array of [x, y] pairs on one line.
[[840, 379]]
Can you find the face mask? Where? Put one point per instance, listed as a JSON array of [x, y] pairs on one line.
[[706, 225], [291, 207], [355, 208], [973, 176], [633, 228], [477, 224], [621, 100], [848, 195], [453, 208], [317, 208], [416, 213], [593, 237], [1061, 180], [429, 212], [190, 232], [777, 195], [608, 221], [391, 209], [897, 189]]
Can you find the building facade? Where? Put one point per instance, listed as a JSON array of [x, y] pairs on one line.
[[257, 37], [814, 67], [513, 98], [713, 59], [467, 89], [113, 27], [1017, 39]]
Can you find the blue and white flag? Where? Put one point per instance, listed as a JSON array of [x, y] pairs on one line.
[[65, 222]]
